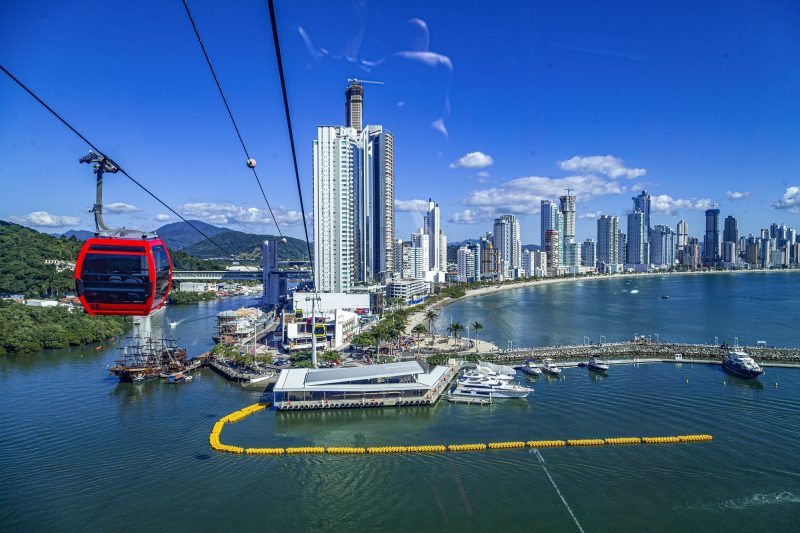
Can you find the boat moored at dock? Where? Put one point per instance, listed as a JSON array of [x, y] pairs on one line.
[[549, 367], [531, 368], [741, 365], [596, 365]]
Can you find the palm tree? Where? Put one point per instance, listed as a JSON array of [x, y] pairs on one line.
[[477, 326], [418, 330], [431, 316], [458, 327]]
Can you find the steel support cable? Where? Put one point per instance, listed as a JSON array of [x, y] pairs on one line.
[[230, 113], [100, 152], [274, 24]]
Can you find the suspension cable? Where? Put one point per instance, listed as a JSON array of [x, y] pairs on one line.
[[123, 171], [230, 114], [278, 57]]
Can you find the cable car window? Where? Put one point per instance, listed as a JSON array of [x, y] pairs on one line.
[[161, 262], [115, 278]]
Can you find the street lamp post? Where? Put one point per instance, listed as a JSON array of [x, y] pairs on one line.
[[602, 339], [656, 338], [585, 340], [716, 341]]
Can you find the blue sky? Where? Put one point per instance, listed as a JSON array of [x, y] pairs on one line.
[[494, 105]]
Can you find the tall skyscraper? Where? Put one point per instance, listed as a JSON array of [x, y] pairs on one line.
[[354, 106], [642, 203], [508, 243], [731, 231], [662, 246], [683, 233], [711, 243], [436, 261], [549, 218], [552, 247], [638, 251], [608, 239], [567, 209], [589, 253], [335, 152], [622, 246], [373, 208]]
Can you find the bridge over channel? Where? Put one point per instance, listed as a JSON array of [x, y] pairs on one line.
[[236, 275]]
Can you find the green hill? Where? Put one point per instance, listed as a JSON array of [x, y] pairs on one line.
[[179, 235], [247, 246], [22, 268]]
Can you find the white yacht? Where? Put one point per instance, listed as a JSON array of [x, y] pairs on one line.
[[531, 368], [550, 367], [490, 388], [596, 365], [493, 374], [740, 364]]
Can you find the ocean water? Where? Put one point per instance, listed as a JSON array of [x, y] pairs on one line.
[[79, 451]]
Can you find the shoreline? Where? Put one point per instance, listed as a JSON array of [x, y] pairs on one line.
[[419, 316]]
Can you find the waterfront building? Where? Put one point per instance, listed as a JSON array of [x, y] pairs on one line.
[[711, 243], [432, 228], [534, 263], [573, 255], [608, 239], [794, 254], [490, 258], [442, 251], [419, 255], [682, 233], [589, 253], [662, 246], [335, 156], [752, 252], [691, 253], [791, 236], [354, 106], [729, 257], [641, 203], [466, 261], [409, 291], [552, 247], [638, 250], [399, 254], [549, 218], [339, 327], [387, 384], [508, 243], [567, 227], [765, 248], [622, 247]]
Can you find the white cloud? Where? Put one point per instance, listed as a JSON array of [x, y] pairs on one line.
[[737, 195], [601, 164], [589, 215], [225, 213], [473, 160], [410, 206], [44, 219], [522, 196], [664, 203], [117, 208], [161, 217], [483, 174], [790, 200]]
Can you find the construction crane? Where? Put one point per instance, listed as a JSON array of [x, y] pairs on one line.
[[355, 80]]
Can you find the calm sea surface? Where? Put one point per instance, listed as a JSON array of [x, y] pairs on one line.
[[80, 452]]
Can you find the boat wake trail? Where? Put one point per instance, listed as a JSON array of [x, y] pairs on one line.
[[756, 500], [552, 482]]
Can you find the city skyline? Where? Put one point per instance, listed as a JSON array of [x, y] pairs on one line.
[[690, 138]]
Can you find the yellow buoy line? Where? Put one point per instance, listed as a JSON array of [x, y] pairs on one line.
[[429, 448]]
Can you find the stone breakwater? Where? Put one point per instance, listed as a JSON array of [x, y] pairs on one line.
[[640, 350]]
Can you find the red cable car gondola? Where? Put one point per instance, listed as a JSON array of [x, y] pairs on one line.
[[125, 276], [120, 272]]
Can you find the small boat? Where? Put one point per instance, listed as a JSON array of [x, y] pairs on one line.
[[530, 368], [98, 347], [549, 367], [596, 365], [742, 365], [665, 296], [180, 377]]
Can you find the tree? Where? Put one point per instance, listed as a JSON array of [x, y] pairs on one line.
[[476, 326], [458, 327], [418, 330], [431, 315]]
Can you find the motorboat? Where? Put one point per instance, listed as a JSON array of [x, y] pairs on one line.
[[531, 368], [596, 365], [493, 374], [179, 377], [491, 388], [549, 366], [742, 365]]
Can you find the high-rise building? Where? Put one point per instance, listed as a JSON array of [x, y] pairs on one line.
[[573, 253], [465, 264], [567, 209], [436, 260], [373, 206], [549, 218], [751, 251], [552, 247], [622, 247], [399, 253], [420, 248], [534, 263], [589, 253], [490, 258], [683, 233], [608, 240], [729, 253], [508, 243], [335, 153], [641, 202], [638, 252], [691, 255], [354, 106], [731, 231], [662, 246], [711, 243]]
